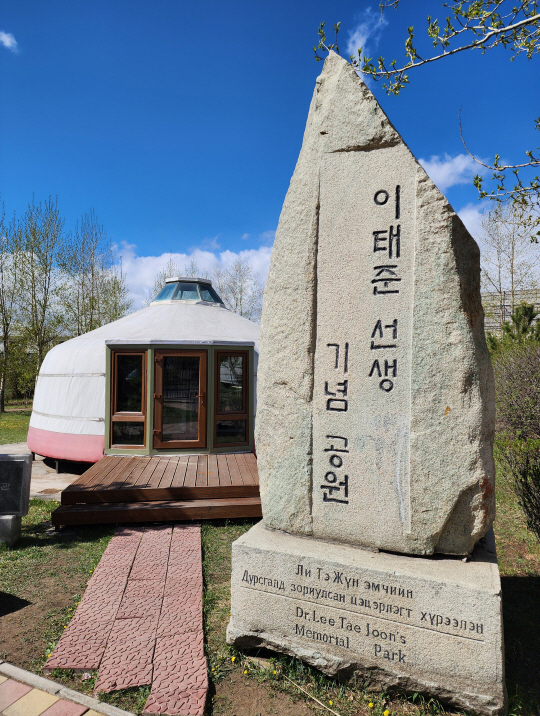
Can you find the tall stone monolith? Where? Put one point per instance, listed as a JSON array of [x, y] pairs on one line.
[[375, 422], [373, 331]]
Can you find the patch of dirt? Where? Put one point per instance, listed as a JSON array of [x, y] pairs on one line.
[[240, 695], [22, 629]]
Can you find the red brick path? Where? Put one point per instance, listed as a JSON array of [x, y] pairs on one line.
[[140, 620]]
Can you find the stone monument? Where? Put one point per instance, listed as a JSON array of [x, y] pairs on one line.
[[375, 423]]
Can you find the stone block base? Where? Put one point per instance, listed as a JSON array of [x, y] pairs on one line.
[[431, 625], [10, 529]]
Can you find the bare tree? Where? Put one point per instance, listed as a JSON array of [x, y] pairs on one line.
[[168, 271], [10, 288], [91, 288], [240, 288], [509, 259], [42, 239], [115, 301], [192, 270]]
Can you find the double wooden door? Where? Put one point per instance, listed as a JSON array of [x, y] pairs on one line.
[[180, 390]]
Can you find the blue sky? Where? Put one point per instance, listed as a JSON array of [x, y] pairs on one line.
[[180, 122]]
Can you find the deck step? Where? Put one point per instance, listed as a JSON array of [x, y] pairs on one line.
[[155, 494], [156, 511]]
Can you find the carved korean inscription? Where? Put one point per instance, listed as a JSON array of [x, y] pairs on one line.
[[362, 367]]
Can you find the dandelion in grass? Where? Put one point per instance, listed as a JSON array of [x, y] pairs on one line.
[[233, 658], [370, 705], [386, 713]]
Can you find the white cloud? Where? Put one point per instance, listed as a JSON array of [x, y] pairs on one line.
[[8, 41], [267, 237], [448, 171], [245, 236], [366, 34], [210, 243], [141, 270], [471, 216]]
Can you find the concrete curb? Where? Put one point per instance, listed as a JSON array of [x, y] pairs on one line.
[[51, 687]]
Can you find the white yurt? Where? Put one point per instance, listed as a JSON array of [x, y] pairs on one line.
[[178, 376]]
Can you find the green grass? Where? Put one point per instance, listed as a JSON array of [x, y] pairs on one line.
[[217, 538], [518, 551], [519, 561], [14, 426], [50, 570], [284, 674]]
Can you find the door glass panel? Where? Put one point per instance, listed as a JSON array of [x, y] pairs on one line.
[[230, 431], [129, 384], [180, 398], [127, 433], [231, 384]]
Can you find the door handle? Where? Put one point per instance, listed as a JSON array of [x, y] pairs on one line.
[[202, 397], [157, 395]]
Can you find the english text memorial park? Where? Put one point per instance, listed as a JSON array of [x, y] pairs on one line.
[[375, 424]]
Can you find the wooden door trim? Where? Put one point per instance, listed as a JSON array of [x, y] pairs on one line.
[[158, 442], [127, 417], [229, 415]]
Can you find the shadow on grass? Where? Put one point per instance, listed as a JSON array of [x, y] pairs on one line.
[[43, 535], [521, 612]]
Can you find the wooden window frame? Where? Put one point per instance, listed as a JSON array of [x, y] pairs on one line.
[[128, 417], [237, 415], [158, 442]]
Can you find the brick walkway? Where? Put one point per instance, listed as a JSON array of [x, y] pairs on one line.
[[22, 693], [140, 620]]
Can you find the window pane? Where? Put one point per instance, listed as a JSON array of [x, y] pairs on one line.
[[127, 433], [187, 292], [231, 391], [129, 382], [208, 294], [180, 398], [166, 292], [230, 431]]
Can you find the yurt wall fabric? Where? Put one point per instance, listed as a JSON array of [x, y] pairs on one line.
[[69, 400]]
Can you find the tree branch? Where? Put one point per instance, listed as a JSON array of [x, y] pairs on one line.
[[496, 168], [473, 45]]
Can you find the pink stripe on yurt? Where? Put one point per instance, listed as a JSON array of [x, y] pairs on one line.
[[66, 446]]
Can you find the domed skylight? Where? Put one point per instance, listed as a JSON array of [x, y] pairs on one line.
[[182, 288]]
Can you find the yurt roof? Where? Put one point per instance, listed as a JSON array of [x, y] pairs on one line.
[[161, 323]]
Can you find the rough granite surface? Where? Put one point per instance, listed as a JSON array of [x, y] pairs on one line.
[[428, 625], [417, 455]]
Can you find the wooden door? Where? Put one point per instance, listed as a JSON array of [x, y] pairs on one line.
[[180, 385]]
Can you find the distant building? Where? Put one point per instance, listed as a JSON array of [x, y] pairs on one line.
[[498, 309]]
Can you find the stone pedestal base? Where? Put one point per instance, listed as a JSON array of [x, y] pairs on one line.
[[10, 529], [432, 625]]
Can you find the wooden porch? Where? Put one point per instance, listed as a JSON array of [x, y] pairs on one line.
[[162, 488]]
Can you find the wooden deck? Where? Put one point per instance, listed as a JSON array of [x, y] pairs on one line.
[[162, 488]]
